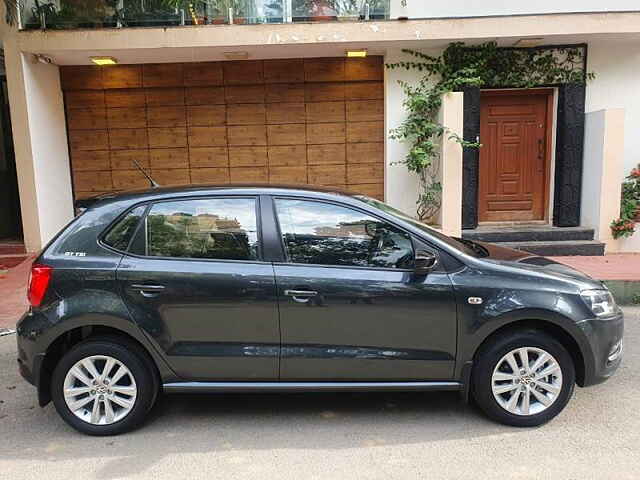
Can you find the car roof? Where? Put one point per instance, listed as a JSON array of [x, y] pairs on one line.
[[140, 195]]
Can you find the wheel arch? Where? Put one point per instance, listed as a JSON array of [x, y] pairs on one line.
[[76, 334], [553, 329]]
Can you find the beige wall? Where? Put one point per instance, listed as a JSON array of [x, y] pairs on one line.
[[451, 115], [466, 8], [616, 65], [603, 155]]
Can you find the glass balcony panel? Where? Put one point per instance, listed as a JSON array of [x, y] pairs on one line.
[[333, 10], [83, 14]]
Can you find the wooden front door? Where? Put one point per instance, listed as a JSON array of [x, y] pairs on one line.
[[514, 132]]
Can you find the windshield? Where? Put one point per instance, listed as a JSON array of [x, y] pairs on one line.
[[463, 246]]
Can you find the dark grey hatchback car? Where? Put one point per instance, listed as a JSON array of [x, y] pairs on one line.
[[266, 288]]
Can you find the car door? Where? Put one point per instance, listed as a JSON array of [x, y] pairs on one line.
[[351, 306], [196, 283]]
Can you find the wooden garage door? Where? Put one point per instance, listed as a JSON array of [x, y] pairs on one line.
[[316, 121]]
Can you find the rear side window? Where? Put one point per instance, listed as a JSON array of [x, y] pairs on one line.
[[215, 228], [121, 233]]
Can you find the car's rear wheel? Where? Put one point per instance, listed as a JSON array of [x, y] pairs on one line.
[[523, 378], [103, 386]]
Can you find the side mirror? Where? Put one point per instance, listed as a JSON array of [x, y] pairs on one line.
[[371, 228], [424, 262]]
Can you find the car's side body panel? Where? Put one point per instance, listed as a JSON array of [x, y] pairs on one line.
[[212, 320], [220, 320], [366, 324], [507, 297]]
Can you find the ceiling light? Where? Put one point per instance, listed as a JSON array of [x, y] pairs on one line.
[[236, 55], [356, 53], [104, 60], [529, 42]]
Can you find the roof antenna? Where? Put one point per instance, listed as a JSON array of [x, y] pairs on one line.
[[151, 180]]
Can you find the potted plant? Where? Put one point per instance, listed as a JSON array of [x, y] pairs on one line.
[[348, 10], [221, 9], [44, 14], [190, 12], [622, 227], [629, 206], [378, 9], [153, 13], [634, 180], [315, 10]]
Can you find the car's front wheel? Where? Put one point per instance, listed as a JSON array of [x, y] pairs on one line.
[[103, 386], [523, 378]]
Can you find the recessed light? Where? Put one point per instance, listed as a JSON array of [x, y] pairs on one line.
[[529, 42], [356, 53], [236, 55], [104, 60]]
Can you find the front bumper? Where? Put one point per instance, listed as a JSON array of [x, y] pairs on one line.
[[605, 339]]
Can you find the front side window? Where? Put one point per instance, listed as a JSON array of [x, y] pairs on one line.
[[319, 233], [120, 234], [214, 228]]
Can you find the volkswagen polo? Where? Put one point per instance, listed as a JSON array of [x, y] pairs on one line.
[[276, 289]]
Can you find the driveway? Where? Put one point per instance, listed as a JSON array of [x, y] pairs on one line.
[[320, 436]]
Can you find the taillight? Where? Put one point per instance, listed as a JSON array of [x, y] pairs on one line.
[[38, 283]]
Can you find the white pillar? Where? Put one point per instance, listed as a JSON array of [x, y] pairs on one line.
[[400, 186], [451, 115], [40, 143], [602, 172]]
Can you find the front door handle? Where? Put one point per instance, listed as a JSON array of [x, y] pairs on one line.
[[300, 296], [300, 293], [148, 290]]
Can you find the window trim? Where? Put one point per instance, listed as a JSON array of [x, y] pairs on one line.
[[151, 203], [101, 238], [287, 260]]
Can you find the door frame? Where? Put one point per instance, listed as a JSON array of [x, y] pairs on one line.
[[550, 94]]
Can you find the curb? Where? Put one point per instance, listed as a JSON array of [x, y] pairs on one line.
[[6, 331], [626, 292]]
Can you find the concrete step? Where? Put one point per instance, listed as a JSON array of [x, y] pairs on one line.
[[559, 248], [12, 248], [542, 233], [10, 261]]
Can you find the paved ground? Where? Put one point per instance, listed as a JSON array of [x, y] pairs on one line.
[[13, 293], [622, 266], [319, 436]]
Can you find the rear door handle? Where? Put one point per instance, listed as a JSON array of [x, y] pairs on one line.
[[148, 290]]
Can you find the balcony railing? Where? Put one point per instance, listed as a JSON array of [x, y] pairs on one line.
[[83, 14]]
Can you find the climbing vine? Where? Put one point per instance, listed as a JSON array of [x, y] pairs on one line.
[[460, 66]]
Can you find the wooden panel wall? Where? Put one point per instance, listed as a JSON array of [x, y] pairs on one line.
[[316, 121]]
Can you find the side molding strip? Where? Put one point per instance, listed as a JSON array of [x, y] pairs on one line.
[[214, 387]]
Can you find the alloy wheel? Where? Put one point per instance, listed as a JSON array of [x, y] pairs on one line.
[[526, 381], [100, 390]]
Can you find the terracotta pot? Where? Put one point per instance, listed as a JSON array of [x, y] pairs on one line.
[[637, 216], [239, 20], [219, 21]]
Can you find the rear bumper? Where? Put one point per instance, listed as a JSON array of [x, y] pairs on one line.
[[30, 355], [605, 338]]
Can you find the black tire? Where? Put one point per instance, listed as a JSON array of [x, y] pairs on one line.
[[489, 356], [133, 357]]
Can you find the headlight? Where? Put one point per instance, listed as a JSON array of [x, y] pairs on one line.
[[600, 302]]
